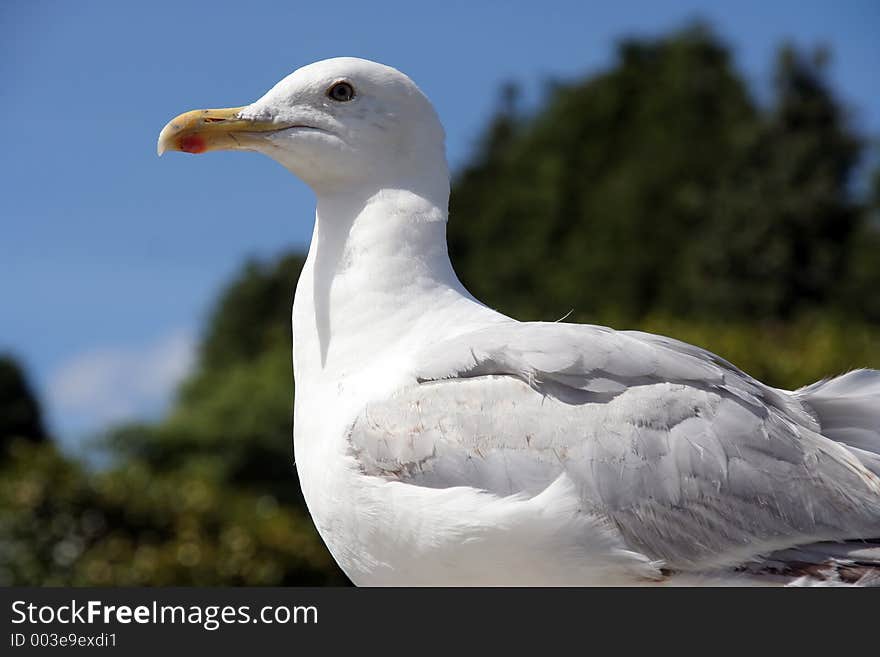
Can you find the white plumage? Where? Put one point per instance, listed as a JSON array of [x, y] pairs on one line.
[[440, 442]]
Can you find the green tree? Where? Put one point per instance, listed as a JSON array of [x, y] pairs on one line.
[[236, 410], [253, 314], [61, 524], [860, 290], [779, 231], [20, 415], [207, 496], [661, 186]]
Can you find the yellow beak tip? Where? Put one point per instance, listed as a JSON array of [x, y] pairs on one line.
[[200, 131]]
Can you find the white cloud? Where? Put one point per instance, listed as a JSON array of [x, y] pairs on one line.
[[113, 384]]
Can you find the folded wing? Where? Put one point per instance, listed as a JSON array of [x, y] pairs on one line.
[[696, 464]]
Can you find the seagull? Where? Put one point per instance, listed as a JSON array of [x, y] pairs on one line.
[[439, 442]]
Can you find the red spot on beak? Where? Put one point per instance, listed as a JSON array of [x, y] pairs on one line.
[[192, 144]]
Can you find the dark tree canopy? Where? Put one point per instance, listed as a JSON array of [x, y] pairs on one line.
[[252, 314], [20, 415], [207, 496], [662, 186], [236, 410]]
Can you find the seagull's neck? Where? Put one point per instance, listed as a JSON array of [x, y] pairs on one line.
[[377, 274]]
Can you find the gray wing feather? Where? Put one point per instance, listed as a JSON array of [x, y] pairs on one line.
[[696, 463]]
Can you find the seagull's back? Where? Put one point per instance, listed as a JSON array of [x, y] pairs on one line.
[[689, 469]]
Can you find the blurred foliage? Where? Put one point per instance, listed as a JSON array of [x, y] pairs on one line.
[[253, 315], [208, 496], [782, 354], [236, 410], [131, 525], [662, 186], [658, 195], [19, 411]]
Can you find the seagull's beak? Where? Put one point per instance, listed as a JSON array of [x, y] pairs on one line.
[[200, 131]]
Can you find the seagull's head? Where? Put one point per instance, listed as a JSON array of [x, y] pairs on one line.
[[335, 124]]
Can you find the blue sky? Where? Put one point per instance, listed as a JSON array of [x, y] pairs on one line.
[[111, 257]]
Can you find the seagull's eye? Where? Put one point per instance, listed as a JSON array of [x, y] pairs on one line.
[[341, 91]]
